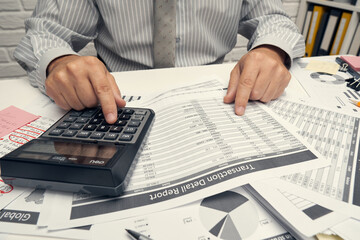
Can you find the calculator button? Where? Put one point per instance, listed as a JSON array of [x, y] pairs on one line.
[[90, 127], [103, 128], [125, 137], [96, 121], [75, 113], [63, 125], [89, 113], [130, 130], [137, 117], [97, 135], [100, 115], [70, 119], [111, 136], [82, 120], [120, 123], [83, 134], [124, 117], [56, 132], [134, 123], [128, 111], [76, 126], [69, 133], [140, 112], [116, 129]]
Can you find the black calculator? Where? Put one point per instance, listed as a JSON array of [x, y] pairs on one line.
[[81, 152]]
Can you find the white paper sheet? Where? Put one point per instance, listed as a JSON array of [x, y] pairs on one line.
[[348, 230]]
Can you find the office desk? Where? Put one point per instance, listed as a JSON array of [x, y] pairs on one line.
[[20, 93]]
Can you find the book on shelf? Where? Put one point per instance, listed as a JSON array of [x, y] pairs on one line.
[[307, 22], [340, 33], [329, 33], [317, 14], [320, 32], [352, 2], [355, 44]]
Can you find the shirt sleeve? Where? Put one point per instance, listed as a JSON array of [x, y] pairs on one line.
[[266, 22], [56, 28]]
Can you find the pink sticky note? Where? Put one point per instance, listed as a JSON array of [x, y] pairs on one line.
[[353, 61], [12, 118]]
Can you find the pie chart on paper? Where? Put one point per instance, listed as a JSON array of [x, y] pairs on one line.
[[229, 216]]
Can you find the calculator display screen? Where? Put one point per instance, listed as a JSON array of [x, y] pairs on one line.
[[68, 152]]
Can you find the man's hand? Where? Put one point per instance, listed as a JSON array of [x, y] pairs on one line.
[[259, 75], [82, 82]]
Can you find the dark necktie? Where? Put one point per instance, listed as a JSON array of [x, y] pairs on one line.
[[164, 33]]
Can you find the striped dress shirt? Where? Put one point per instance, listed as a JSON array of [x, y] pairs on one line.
[[122, 32]]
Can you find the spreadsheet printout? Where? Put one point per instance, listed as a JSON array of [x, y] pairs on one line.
[[197, 147], [336, 137]]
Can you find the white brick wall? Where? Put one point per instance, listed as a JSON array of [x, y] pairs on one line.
[[13, 13]]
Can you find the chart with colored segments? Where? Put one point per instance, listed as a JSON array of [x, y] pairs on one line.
[[229, 215]]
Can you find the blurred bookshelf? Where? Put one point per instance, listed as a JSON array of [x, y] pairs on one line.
[[315, 30]]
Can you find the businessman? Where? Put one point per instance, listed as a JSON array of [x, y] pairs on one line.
[[124, 34]]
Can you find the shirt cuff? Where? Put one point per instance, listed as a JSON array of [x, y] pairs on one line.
[[283, 45], [50, 55]]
